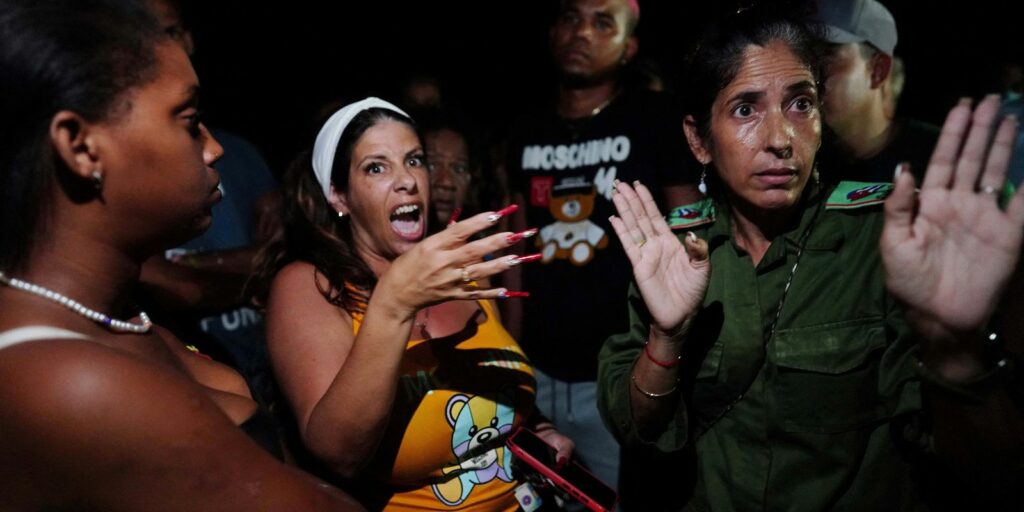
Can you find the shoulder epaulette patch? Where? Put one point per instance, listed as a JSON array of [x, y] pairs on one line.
[[856, 194], [691, 215]]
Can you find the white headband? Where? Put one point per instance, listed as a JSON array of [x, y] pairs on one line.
[[327, 140]]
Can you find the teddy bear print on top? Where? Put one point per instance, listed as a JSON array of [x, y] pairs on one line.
[[476, 422]]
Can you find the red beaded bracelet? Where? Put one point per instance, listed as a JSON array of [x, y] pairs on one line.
[[670, 364]]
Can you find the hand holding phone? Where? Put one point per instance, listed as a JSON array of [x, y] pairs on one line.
[[572, 478]]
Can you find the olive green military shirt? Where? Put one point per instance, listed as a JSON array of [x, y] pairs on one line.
[[806, 420]]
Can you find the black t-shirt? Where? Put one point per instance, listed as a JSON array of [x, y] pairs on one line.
[[913, 142], [565, 171]]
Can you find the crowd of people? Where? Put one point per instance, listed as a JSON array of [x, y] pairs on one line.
[[768, 292]]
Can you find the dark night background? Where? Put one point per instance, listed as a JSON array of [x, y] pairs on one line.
[[268, 67]]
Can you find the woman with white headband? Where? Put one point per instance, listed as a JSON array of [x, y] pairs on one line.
[[393, 360]]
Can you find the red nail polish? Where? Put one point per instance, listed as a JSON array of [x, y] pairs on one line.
[[455, 216], [513, 295], [515, 237], [529, 258], [494, 217], [508, 210]]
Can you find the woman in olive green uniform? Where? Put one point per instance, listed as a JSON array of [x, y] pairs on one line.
[[767, 332]]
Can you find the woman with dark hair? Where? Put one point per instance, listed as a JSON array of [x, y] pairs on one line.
[[104, 162], [456, 169], [396, 368], [806, 369]]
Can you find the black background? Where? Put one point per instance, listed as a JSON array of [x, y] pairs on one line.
[[267, 67]]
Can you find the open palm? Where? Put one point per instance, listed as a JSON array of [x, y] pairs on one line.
[[671, 278], [950, 261]]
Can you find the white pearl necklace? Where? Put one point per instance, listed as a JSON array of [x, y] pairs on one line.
[[110, 323]]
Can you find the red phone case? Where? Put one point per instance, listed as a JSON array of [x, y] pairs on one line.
[[555, 477]]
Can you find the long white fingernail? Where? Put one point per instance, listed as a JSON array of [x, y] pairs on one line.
[[692, 236], [900, 167]]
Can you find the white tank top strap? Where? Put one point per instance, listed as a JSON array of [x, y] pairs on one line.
[[36, 333]]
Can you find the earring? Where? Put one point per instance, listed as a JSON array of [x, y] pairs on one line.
[[703, 186], [97, 180], [341, 214]]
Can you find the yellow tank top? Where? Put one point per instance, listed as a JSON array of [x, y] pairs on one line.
[[459, 398]]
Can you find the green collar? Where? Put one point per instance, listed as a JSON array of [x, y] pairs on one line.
[[717, 220], [691, 215], [857, 194]]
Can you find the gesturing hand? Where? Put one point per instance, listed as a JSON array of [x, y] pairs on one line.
[[950, 261], [672, 279], [443, 266]]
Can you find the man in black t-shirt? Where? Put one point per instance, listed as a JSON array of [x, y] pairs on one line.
[[562, 162], [859, 102]]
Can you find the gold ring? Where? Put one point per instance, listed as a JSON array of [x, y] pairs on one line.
[[641, 244], [465, 276]]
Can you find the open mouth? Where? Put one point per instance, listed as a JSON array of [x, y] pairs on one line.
[[407, 221]]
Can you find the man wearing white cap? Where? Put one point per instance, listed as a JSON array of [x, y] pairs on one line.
[[859, 97]]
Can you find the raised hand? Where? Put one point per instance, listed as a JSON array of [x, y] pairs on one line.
[[949, 255], [444, 266], [672, 279]]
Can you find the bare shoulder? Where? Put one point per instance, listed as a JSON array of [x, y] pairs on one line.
[[111, 398], [308, 338], [110, 431], [297, 292], [298, 274]]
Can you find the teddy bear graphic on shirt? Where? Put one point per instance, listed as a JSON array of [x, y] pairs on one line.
[[572, 236], [476, 422]]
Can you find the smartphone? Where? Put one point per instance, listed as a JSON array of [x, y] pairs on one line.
[[573, 478]]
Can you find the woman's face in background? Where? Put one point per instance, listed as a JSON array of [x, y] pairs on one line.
[[450, 172]]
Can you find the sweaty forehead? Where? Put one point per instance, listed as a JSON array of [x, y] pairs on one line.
[[766, 66], [387, 137]]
